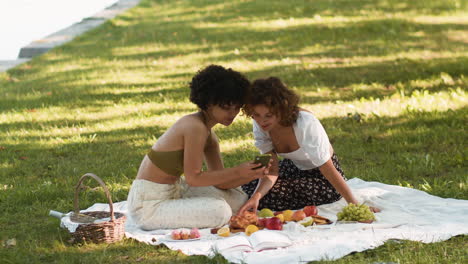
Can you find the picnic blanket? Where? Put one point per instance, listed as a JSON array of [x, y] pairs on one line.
[[407, 214]]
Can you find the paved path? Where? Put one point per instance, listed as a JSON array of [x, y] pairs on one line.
[[60, 37]]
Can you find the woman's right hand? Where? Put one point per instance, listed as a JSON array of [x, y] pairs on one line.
[[246, 170]]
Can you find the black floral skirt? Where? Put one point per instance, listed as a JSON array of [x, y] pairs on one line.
[[297, 188]]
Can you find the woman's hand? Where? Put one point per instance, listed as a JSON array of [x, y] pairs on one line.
[[246, 170], [371, 208], [250, 205]]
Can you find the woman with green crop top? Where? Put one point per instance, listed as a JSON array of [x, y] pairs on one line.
[[159, 198]]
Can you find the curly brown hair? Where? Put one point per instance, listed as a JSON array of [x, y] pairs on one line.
[[218, 86], [274, 94]]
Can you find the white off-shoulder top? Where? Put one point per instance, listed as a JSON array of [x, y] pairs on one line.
[[314, 145]]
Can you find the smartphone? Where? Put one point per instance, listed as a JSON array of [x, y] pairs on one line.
[[263, 159]]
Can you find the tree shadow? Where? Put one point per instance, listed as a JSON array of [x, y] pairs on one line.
[[385, 78], [262, 10], [380, 37], [340, 43], [57, 93]]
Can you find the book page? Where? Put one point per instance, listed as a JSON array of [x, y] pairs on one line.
[[265, 239], [234, 243]]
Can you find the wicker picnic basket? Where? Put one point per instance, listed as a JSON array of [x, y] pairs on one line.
[[106, 231]]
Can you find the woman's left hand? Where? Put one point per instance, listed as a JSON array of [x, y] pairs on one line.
[[374, 209]]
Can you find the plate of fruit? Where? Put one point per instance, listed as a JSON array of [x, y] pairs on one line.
[[183, 234]]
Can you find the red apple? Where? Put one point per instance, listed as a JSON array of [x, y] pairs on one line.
[[310, 210], [298, 215], [261, 222], [274, 223], [277, 213]]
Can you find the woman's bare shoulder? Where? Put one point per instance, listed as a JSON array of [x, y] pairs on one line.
[[173, 138], [192, 123]]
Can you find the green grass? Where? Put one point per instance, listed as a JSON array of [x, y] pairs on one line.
[[387, 78]]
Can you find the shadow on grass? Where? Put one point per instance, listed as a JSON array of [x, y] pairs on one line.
[[39, 93], [380, 37], [383, 79], [114, 155], [299, 8], [386, 75], [215, 11], [367, 38], [363, 38]]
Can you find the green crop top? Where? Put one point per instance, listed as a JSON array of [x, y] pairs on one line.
[[171, 162]]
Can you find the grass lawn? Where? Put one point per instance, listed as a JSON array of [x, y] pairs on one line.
[[387, 78]]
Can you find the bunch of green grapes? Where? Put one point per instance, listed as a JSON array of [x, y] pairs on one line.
[[353, 212]]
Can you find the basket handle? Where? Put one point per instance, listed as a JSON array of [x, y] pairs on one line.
[[77, 190]]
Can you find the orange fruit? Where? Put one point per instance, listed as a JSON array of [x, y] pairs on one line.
[[224, 231], [250, 229]]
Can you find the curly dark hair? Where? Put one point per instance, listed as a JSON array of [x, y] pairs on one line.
[[215, 85], [274, 94]]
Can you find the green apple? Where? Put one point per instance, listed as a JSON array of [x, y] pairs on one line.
[[265, 212], [307, 221]]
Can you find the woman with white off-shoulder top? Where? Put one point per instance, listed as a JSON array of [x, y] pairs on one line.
[[309, 173]]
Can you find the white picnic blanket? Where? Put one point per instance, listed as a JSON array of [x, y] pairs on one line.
[[406, 214]]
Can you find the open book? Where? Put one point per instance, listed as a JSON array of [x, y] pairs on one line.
[[258, 241]]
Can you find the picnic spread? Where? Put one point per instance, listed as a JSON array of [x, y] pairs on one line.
[[407, 214]]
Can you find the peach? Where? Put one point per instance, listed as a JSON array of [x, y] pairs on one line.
[[194, 233], [310, 210], [298, 215], [185, 234], [175, 234]]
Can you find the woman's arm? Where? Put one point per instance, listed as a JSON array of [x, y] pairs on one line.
[[334, 177], [235, 183], [214, 162], [241, 181], [238, 182], [195, 137], [213, 153], [263, 187], [265, 184], [337, 181]]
